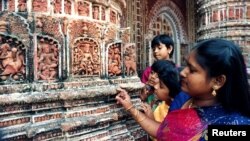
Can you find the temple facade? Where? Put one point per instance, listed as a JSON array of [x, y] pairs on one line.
[[61, 61], [187, 21]]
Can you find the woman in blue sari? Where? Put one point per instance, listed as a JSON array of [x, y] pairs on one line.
[[215, 78]]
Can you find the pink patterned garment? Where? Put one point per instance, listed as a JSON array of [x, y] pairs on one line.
[[180, 125]]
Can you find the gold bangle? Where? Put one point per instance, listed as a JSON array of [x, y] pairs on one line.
[[130, 107]]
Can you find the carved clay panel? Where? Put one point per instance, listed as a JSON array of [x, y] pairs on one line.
[[130, 59], [215, 16], [47, 59], [22, 5], [67, 6], [112, 16], [39, 5], [47, 34], [12, 122], [82, 8], [12, 59], [48, 135], [114, 60], [57, 6], [47, 117], [15, 108], [96, 12], [125, 35], [231, 13], [78, 28], [86, 58], [11, 5], [111, 34], [239, 13]]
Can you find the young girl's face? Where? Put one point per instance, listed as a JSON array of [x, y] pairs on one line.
[[162, 92], [160, 89], [161, 52]]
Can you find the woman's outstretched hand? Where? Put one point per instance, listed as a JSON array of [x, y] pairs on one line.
[[123, 98]]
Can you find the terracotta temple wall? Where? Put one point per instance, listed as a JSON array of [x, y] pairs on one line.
[[61, 62], [228, 19]]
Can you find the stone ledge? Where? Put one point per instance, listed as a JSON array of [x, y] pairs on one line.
[[47, 86], [72, 94]]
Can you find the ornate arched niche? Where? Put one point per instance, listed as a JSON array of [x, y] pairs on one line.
[[47, 60], [12, 60], [114, 59], [86, 58], [166, 17]]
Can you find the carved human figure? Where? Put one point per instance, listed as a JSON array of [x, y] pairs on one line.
[[117, 55], [57, 6], [47, 63], [12, 61], [39, 5], [11, 4], [83, 8], [87, 55], [110, 55], [87, 58], [67, 7], [89, 68], [22, 6], [96, 12], [114, 61]]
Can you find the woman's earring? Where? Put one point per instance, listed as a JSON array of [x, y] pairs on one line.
[[214, 91]]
